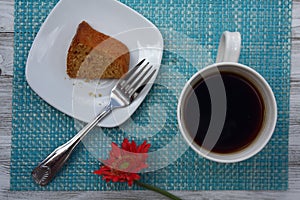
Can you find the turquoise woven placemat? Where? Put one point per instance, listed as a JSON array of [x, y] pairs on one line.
[[265, 28]]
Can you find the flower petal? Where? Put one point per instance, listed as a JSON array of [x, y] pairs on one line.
[[125, 145], [129, 157]]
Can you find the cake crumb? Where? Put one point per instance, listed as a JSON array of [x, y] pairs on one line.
[[92, 94]]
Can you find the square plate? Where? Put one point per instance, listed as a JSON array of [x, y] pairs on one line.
[[46, 63]]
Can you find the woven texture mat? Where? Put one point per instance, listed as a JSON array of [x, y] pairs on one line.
[[265, 28]]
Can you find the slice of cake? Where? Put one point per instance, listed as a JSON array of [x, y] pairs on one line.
[[94, 55]]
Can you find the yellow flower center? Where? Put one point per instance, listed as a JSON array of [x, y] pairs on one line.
[[124, 165]]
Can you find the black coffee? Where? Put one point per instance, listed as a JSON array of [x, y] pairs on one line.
[[243, 113]]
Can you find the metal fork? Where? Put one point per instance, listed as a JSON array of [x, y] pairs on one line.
[[123, 93]]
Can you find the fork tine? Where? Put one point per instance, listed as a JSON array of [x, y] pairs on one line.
[[139, 77], [133, 78], [129, 74], [135, 91]]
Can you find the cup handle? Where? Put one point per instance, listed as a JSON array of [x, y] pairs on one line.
[[229, 47]]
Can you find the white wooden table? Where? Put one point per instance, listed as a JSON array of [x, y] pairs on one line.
[[6, 66]]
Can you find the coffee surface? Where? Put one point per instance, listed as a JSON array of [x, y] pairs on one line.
[[243, 113]]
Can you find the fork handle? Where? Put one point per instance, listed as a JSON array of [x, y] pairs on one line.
[[50, 166]]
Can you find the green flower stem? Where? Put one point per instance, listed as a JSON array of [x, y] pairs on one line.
[[156, 189]]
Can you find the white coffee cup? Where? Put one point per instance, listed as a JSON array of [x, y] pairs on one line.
[[227, 61]]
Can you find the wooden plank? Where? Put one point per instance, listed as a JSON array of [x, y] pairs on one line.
[[5, 105], [5, 149], [296, 19], [6, 16], [145, 195], [6, 53], [6, 67], [295, 58]]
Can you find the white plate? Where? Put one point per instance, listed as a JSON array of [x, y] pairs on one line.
[[46, 64]]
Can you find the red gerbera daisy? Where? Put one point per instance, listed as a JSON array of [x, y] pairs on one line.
[[124, 163]]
